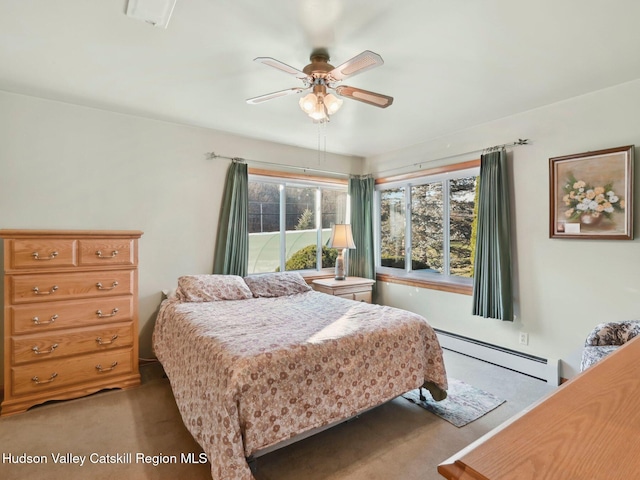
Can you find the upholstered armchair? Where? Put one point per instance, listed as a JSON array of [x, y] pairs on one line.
[[605, 338]]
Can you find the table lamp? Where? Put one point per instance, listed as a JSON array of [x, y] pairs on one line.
[[341, 238]]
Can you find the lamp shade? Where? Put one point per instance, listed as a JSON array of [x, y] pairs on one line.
[[308, 103], [332, 103], [318, 113], [341, 236]]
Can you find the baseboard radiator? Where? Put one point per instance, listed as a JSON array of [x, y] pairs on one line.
[[545, 369]]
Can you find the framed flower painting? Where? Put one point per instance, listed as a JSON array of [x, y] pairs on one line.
[[591, 195]]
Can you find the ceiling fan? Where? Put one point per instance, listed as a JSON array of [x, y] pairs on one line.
[[320, 76]]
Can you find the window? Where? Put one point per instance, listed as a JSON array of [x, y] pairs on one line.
[[290, 223], [426, 225]]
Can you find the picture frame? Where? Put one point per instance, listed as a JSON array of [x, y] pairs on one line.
[[591, 195]]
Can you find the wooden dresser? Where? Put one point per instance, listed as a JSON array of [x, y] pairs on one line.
[[587, 429], [70, 314]]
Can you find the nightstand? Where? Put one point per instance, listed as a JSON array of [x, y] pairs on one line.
[[353, 288]]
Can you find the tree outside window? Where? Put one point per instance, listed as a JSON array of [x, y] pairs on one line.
[[431, 221]]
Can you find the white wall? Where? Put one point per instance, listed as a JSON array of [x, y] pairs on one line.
[[64, 166], [564, 287], [68, 167]]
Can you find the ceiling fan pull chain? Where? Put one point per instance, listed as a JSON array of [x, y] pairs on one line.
[[319, 146], [324, 147]]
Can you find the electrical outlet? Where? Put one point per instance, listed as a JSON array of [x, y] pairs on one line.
[[523, 338]]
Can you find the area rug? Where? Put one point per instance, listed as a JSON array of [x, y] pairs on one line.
[[463, 404]]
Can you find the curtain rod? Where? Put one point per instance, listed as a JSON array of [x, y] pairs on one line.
[[517, 143], [213, 155]]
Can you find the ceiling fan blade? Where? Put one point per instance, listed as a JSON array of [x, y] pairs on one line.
[[271, 96], [358, 64], [372, 98], [283, 67]]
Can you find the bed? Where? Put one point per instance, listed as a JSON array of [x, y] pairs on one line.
[[255, 362]]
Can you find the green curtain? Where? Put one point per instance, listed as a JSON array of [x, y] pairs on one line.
[[492, 283], [232, 245], [362, 260]]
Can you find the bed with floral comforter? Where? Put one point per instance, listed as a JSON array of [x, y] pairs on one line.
[[248, 373]]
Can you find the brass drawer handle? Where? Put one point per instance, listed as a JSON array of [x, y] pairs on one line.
[[37, 291], [103, 315], [37, 351], [100, 287], [40, 382], [101, 370], [113, 254], [36, 256], [100, 342], [37, 321]]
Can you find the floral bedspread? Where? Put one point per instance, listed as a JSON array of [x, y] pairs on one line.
[[247, 374]]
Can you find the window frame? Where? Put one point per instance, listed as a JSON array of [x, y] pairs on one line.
[[420, 278], [286, 179]]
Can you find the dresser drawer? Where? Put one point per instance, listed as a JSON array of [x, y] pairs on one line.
[[357, 296], [45, 317], [61, 286], [106, 252], [348, 296], [54, 374], [64, 343], [41, 253], [362, 297]]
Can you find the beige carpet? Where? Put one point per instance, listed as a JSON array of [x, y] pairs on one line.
[[143, 419], [396, 440]]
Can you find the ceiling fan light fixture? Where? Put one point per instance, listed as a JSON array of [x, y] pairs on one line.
[[319, 113], [319, 106], [308, 103], [332, 103]]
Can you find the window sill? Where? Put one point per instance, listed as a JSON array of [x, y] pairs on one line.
[[444, 286]]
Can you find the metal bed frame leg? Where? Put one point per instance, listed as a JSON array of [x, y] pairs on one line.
[[253, 464]]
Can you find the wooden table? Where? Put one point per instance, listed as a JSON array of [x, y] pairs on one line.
[[588, 429]]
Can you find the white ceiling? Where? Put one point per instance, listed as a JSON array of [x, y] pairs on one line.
[[449, 64]]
